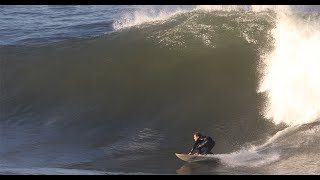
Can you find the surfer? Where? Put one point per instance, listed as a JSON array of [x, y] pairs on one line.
[[203, 144]]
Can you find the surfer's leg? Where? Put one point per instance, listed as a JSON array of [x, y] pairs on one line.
[[206, 149], [203, 150], [210, 146]]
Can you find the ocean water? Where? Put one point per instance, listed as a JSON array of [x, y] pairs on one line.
[[119, 89]]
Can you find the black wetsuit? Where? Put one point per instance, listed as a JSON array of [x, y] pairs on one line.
[[204, 145]]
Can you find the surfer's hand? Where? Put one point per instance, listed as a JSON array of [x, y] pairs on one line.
[[189, 153]]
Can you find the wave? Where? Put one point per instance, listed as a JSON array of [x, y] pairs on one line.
[[130, 98], [293, 97]]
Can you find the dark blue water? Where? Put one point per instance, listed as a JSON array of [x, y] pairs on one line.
[[41, 24]]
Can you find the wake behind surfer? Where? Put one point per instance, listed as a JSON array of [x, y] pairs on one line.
[[203, 144]]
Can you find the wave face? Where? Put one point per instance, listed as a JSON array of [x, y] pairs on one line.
[[126, 101]]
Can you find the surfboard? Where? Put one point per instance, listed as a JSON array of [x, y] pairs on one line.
[[196, 158]]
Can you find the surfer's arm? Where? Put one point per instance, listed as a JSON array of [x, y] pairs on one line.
[[194, 147]]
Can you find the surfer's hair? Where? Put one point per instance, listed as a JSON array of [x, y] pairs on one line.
[[197, 134]]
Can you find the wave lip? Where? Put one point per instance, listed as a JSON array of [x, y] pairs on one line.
[[139, 17]]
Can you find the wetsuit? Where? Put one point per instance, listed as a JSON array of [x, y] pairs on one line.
[[204, 145]]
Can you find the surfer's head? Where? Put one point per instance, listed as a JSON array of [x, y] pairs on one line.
[[196, 136]]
